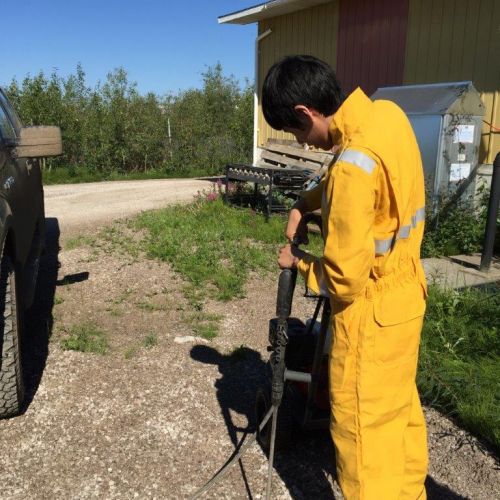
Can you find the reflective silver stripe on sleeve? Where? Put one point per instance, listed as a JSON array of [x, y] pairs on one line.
[[404, 232], [383, 246], [418, 217], [359, 159]]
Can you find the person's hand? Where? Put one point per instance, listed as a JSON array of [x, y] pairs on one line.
[[289, 256], [296, 229]]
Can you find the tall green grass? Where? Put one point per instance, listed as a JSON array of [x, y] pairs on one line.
[[459, 364], [214, 246]]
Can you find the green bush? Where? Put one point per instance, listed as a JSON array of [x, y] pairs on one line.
[[457, 227]]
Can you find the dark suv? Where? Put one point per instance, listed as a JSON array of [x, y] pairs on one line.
[[22, 222]]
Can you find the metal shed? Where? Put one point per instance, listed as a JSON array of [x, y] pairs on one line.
[[447, 120]]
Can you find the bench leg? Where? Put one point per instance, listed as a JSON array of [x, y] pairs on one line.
[[226, 190], [270, 199]]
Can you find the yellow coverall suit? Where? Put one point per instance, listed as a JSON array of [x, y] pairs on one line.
[[373, 205]]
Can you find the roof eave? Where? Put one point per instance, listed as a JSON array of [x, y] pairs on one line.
[[269, 9]]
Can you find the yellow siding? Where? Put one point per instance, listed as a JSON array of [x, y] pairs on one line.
[[454, 40], [311, 31]]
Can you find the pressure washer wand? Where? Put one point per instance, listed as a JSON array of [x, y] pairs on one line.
[[286, 287]]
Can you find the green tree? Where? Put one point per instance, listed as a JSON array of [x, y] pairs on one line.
[[112, 128]]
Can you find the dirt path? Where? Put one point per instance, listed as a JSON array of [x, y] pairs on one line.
[[162, 411], [79, 206]]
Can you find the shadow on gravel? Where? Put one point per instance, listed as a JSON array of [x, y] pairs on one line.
[[38, 319], [436, 491], [305, 465], [70, 279]]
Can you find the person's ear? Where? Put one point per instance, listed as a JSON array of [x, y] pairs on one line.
[[306, 114]]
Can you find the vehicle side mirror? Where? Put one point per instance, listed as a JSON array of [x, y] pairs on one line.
[[39, 142]]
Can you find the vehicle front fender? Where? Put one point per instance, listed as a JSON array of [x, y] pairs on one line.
[[6, 226]]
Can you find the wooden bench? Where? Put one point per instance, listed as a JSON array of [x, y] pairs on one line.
[[283, 166]]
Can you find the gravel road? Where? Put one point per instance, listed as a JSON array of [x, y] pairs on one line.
[[156, 418], [79, 206]]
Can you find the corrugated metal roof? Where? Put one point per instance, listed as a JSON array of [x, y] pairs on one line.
[[432, 99], [266, 10]]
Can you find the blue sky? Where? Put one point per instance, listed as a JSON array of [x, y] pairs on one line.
[[163, 45]]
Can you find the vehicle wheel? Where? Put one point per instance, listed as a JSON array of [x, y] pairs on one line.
[[285, 422], [11, 376]]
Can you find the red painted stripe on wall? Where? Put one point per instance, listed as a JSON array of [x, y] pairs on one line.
[[371, 43]]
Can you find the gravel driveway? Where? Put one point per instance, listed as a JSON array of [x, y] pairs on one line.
[[157, 419], [79, 206]]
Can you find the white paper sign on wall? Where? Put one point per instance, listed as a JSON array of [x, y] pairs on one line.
[[459, 171], [463, 134]]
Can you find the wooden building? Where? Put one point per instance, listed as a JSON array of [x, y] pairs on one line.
[[377, 43]]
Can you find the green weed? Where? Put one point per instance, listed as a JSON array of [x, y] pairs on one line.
[[117, 238], [114, 311], [86, 337], [123, 296], [79, 241], [58, 300], [130, 353], [456, 228], [460, 358], [150, 306], [150, 341], [203, 324]]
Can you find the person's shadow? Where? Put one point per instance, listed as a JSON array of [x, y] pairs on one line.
[[305, 464], [38, 319]]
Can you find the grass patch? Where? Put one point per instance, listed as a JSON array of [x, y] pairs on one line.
[[123, 296], [86, 338], [150, 341], [130, 353], [58, 300], [204, 324], [78, 241], [460, 358], [150, 306], [215, 246], [119, 238]]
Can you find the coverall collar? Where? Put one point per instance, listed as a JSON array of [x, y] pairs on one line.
[[353, 112]]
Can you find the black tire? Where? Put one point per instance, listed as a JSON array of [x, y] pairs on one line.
[[11, 375], [285, 423]]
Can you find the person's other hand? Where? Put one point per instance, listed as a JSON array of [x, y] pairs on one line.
[[289, 256]]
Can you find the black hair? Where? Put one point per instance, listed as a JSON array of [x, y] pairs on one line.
[[299, 80]]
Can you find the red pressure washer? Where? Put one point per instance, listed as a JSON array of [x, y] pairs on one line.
[[296, 397]]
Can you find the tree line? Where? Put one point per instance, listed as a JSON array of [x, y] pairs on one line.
[[113, 128]]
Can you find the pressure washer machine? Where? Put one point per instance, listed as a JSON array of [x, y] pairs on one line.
[[299, 367], [296, 397]]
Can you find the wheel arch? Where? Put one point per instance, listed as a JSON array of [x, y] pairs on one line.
[[7, 237]]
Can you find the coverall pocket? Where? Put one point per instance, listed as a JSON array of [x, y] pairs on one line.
[[398, 315]]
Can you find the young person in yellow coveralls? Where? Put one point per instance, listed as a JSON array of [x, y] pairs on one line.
[[373, 208]]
